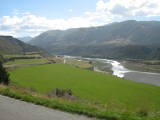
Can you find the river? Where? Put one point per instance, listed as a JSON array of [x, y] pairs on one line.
[[120, 71]]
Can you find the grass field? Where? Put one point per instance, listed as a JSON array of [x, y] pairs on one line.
[[106, 89], [84, 64], [26, 61], [21, 55], [72, 106], [80, 64]]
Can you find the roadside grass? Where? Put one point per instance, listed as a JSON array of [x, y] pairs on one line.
[[26, 61], [73, 107], [112, 92]]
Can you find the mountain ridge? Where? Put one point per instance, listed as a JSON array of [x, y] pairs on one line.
[[10, 45], [116, 35]]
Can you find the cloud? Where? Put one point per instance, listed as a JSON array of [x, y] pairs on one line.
[[25, 23], [107, 11], [129, 8], [70, 10], [12, 33], [33, 25]]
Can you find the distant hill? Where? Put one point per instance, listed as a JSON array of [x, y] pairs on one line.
[[10, 45], [128, 39], [25, 39]]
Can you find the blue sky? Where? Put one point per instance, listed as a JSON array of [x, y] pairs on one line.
[[48, 8], [32, 17]]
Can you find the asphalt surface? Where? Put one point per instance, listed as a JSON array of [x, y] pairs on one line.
[[11, 109]]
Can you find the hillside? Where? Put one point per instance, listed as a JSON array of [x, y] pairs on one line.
[[10, 45], [105, 41]]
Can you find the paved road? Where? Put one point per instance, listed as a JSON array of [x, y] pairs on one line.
[[11, 109]]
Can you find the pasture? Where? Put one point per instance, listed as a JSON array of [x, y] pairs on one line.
[[95, 87]]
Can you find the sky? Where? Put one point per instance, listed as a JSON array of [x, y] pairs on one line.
[[31, 17]]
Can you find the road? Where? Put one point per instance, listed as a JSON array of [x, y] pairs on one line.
[[11, 109]]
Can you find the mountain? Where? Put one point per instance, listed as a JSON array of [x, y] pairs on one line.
[[25, 39], [128, 39], [10, 45]]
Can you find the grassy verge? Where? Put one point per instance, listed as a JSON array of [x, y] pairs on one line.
[[73, 107]]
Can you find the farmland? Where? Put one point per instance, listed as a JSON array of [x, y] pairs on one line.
[[41, 76], [95, 87], [26, 61]]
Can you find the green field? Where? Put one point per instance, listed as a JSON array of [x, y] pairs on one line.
[[92, 86], [12, 55], [80, 64], [21, 55], [26, 61]]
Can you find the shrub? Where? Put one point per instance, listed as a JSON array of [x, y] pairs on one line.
[[1, 58], [4, 76]]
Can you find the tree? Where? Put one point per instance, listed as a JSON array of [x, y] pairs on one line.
[[4, 76], [1, 58]]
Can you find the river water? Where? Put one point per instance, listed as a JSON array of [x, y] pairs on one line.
[[120, 71]]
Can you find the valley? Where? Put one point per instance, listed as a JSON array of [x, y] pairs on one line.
[[119, 40], [80, 60], [120, 69], [99, 89], [99, 72]]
